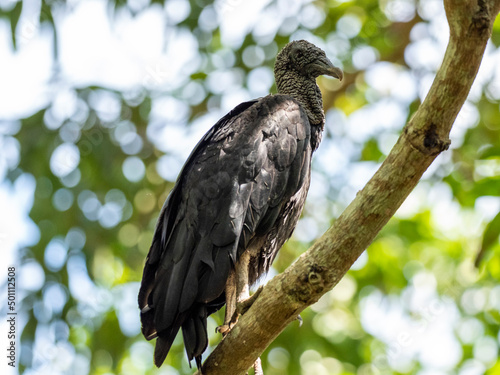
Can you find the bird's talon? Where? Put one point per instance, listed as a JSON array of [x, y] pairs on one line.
[[222, 329], [225, 328]]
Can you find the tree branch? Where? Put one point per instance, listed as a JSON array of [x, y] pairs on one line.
[[425, 136]]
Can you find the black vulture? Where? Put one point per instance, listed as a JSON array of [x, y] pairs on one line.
[[236, 201]]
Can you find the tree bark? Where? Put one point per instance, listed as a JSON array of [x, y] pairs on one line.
[[423, 138]]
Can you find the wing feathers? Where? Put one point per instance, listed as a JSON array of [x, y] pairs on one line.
[[214, 280]]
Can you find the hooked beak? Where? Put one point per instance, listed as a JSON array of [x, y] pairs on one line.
[[335, 72], [325, 67]]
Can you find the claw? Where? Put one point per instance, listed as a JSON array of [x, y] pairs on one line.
[[223, 329], [241, 308]]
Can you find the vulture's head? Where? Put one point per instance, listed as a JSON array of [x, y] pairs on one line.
[[305, 60], [296, 68]]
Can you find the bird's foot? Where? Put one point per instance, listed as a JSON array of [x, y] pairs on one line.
[[241, 308], [225, 328]]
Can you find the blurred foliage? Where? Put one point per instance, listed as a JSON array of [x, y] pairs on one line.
[[96, 205]]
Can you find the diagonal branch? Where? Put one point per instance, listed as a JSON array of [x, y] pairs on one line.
[[424, 137]]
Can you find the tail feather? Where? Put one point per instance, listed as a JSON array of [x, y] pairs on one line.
[[189, 335], [164, 342], [194, 332], [161, 350], [200, 325]]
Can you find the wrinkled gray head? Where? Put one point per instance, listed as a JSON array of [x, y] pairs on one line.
[[297, 66], [306, 60]]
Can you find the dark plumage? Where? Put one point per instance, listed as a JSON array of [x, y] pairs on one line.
[[235, 202]]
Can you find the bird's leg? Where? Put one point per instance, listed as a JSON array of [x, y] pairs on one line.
[[237, 291], [230, 304], [238, 300], [242, 287], [244, 301]]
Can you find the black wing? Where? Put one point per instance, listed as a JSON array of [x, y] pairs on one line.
[[230, 190]]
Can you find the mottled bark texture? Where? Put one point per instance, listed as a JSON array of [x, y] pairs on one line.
[[424, 137]]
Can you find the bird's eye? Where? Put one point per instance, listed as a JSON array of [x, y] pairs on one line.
[[296, 55]]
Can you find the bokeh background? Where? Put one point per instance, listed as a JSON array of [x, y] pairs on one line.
[[101, 103]]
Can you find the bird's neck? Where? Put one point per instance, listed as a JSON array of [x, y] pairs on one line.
[[308, 94]]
